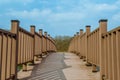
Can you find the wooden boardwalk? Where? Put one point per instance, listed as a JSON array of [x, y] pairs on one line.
[[78, 70], [50, 68], [62, 66]]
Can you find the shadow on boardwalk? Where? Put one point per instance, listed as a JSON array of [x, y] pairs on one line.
[[63, 66], [50, 68]]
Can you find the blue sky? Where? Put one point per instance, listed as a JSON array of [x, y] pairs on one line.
[[59, 17]]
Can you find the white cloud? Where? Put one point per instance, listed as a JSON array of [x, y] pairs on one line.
[[48, 14], [43, 2], [103, 7], [94, 7], [116, 16], [5, 1], [59, 8], [117, 2], [66, 16], [35, 13], [24, 2]]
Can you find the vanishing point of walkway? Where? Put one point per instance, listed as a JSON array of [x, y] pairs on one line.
[[62, 66]]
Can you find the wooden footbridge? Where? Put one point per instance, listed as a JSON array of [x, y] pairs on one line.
[[97, 54]]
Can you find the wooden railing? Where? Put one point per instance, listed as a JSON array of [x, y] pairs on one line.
[[99, 49], [25, 46], [19, 46], [7, 54], [110, 63]]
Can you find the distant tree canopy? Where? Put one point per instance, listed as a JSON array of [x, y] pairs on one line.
[[62, 43]]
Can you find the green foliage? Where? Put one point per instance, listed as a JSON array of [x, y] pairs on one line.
[[19, 67], [62, 43]]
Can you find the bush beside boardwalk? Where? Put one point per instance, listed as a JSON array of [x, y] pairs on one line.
[[62, 43]]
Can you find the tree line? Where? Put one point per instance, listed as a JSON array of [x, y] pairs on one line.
[[62, 43]]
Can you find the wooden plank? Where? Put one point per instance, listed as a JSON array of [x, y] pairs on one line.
[[29, 48], [8, 58], [106, 56], [4, 58], [118, 53], [19, 48], [102, 57], [109, 58], [114, 64], [1, 44], [32, 50], [13, 58], [22, 47], [41, 45], [98, 43], [97, 55]]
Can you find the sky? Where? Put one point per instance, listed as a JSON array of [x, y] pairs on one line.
[[59, 17]]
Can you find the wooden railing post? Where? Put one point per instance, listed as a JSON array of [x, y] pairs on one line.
[[45, 34], [77, 41], [74, 43], [24, 67], [87, 33], [81, 33], [32, 30], [103, 29], [14, 29], [41, 33], [49, 42], [85, 44]]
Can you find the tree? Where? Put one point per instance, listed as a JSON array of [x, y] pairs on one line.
[[62, 43]]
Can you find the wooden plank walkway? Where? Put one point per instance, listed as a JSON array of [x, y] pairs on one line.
[[50, 68], [77, 69], [62, 66]]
